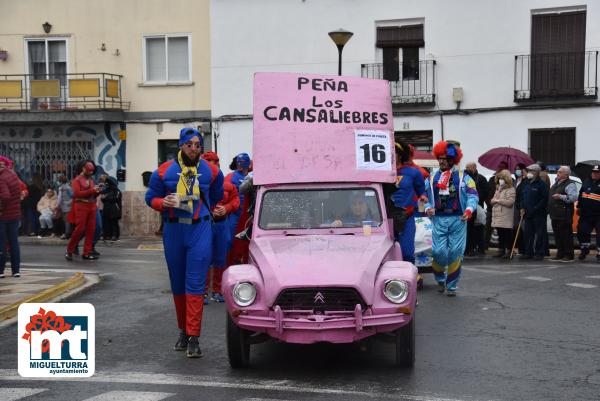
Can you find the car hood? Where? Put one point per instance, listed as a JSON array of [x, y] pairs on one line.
[[320, 261]]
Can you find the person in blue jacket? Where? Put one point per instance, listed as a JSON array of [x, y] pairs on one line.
[[240, 166], [453, 198], [183, 190], [533, 204], [409, 187]]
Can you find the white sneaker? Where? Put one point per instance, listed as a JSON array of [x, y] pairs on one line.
[[2, 275], [17, 275]]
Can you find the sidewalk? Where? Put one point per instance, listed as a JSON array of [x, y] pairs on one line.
[[39, 286], [141, 243]]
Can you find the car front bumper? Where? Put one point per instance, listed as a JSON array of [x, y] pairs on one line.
[[313, 328]]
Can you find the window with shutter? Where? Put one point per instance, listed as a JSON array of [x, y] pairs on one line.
[[554, 146], [558, 54]]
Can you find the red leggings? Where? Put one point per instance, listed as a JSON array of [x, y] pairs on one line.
[[85, 222]]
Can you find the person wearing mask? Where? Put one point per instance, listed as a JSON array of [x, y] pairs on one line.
[[402, 200], [111, 209], [563, 195], [221, 238], [534, 205], [588, 208], [10, 214], [65, 202], [518, 231], [491, 190], [503, 204], [184, 190], [47, 207], [475, 234], [84, 210], [452, 200]]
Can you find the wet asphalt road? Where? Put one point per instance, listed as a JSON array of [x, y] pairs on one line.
[[521, 331]]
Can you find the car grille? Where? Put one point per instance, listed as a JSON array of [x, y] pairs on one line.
[[319, 299]]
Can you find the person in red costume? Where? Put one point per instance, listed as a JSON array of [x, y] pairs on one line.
[[84, 210], [221, 232]]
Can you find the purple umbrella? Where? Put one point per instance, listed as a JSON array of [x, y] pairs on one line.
[[493, 157]]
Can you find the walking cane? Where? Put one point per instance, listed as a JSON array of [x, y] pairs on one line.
[[512, 251]]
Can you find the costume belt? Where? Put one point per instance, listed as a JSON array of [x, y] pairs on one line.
[[187, 220]]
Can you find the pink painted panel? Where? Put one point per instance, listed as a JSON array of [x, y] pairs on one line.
[[321, 128]]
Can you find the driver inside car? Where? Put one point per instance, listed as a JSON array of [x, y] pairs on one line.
[[359, 212]]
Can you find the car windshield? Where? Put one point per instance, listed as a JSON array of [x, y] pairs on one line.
[[319, 208]]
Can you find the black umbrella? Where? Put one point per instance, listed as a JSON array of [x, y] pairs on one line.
[[584, 169]]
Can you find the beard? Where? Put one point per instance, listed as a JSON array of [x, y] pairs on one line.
[[188, 161]]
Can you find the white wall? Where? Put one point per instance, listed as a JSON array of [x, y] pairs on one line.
[[473, 41]]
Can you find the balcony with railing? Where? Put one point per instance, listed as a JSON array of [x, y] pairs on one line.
[[62, 92], [411, 84], [556, 76]]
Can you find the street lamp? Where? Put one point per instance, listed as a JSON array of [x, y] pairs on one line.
[[340, 38]]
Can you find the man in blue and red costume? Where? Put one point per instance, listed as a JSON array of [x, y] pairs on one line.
[[221, 232], [410, 186], [453, 199], [183, 190], [238, 220]]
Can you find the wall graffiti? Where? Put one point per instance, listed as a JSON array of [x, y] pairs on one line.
[[53, 150]]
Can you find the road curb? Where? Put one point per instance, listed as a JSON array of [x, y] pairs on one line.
[[75, 281]]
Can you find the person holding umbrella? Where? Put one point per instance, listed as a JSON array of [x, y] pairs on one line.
[[588, 209]]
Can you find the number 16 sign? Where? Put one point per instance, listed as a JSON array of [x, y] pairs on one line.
[[372, 150]]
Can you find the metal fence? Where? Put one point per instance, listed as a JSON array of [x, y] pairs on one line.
[[551, 76], [47, 159], [61, 92], [418, 88]]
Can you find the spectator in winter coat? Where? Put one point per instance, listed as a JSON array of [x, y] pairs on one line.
[[46, 207], [503, 203], [475, 234], [491, 190], [111, 211], [35, 190], [10, 214], [65, 202], [534, 209]]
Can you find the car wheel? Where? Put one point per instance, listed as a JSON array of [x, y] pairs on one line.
[[405, 345], [238, 348]]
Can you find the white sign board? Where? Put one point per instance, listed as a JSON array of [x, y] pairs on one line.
[[373, 150]]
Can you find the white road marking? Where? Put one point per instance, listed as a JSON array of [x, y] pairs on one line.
[[581, 285], [596, 277], [130, 396], [537, 278], [492, 271], [16, 393], [290, 386]]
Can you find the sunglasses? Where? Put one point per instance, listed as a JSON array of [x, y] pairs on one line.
[[196, 145]]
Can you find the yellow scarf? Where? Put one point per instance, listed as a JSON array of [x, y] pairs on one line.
[[188, 183]]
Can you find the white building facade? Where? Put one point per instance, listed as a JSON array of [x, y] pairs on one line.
[[485, 73]]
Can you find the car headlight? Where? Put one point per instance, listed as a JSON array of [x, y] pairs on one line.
[[244, 293], [396, 291]]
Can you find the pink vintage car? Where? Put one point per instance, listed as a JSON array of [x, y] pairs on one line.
[[323, 264]]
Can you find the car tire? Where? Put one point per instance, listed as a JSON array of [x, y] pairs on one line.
[[405, 345], [238, 348]]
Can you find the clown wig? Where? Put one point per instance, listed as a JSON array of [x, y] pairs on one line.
[[449, 150]]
